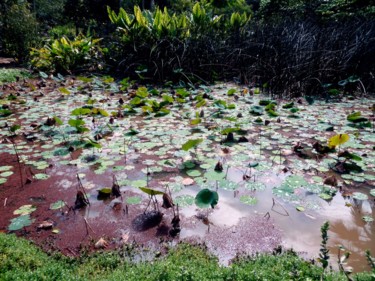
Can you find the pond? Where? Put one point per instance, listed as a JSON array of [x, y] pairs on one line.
[[277, 180]]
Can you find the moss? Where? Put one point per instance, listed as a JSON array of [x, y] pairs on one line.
[[20, 260]]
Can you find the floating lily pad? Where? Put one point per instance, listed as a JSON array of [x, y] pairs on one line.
[[5, 168], [3, 180], [6, 174], [133, 200], [227, 184], [255, 185], [248, 199], [184, 200], [24, 210], [57, 205], [193, 173], [325, 196], [360, 196], [368, 218], [20, 222], [139, 183], [41, 176], [214, 176], [188, 164], [372, 192]]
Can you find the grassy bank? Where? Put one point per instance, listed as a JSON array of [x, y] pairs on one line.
[[20, 260]]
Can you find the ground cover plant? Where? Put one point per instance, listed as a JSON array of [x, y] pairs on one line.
[[98, 155], [21, 260]]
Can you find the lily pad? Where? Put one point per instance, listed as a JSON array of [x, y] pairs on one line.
[[368, 218], [57, 205], [248, 199], [150, 191], [6, 174], [360, 196], [24, 210], [325, 196], [255, 185], [214, 176], [139, 183], [41, 176], [20, 222], [372, 192], [193, 173], [184, 200], [5, 168], [133, 200]]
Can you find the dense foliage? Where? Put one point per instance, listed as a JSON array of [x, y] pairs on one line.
[[290, 47]]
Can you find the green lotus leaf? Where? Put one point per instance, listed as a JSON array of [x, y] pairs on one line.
[[20, 222], [206, 198], [249, 200]]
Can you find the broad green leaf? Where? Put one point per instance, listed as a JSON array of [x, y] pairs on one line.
[[191, 144], [184, 200], [24, 210], [81, 111], [249, 200], [231, 92], [64, 91], [360, 196], [20, 222], [14, 128], [57, 205], [58, 120], [133, 200], [356, 117], [150, 191], [206, 198]]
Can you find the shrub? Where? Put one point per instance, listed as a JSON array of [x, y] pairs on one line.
[[164, 45], [65, 55]]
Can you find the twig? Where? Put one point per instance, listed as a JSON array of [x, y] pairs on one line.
[[5, 202], [80, 185], [274, 203], [88, 227]]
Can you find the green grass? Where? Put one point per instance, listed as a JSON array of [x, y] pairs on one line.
[[20, 260], [9, 74]]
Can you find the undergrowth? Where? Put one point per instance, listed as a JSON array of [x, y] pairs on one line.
[[20, 260], [11, 75]]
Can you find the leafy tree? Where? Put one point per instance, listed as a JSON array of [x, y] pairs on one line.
[[18, 27]]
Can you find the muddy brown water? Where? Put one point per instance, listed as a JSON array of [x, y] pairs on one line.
[[232, 227]]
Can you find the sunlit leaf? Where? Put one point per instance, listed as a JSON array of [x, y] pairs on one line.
[[150, 191], [191, 144], [338, 140]]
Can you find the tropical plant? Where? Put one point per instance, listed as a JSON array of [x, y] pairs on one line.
[[65, 55]]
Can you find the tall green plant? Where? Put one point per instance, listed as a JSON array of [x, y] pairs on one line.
[[66, 55], [324, 251]]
